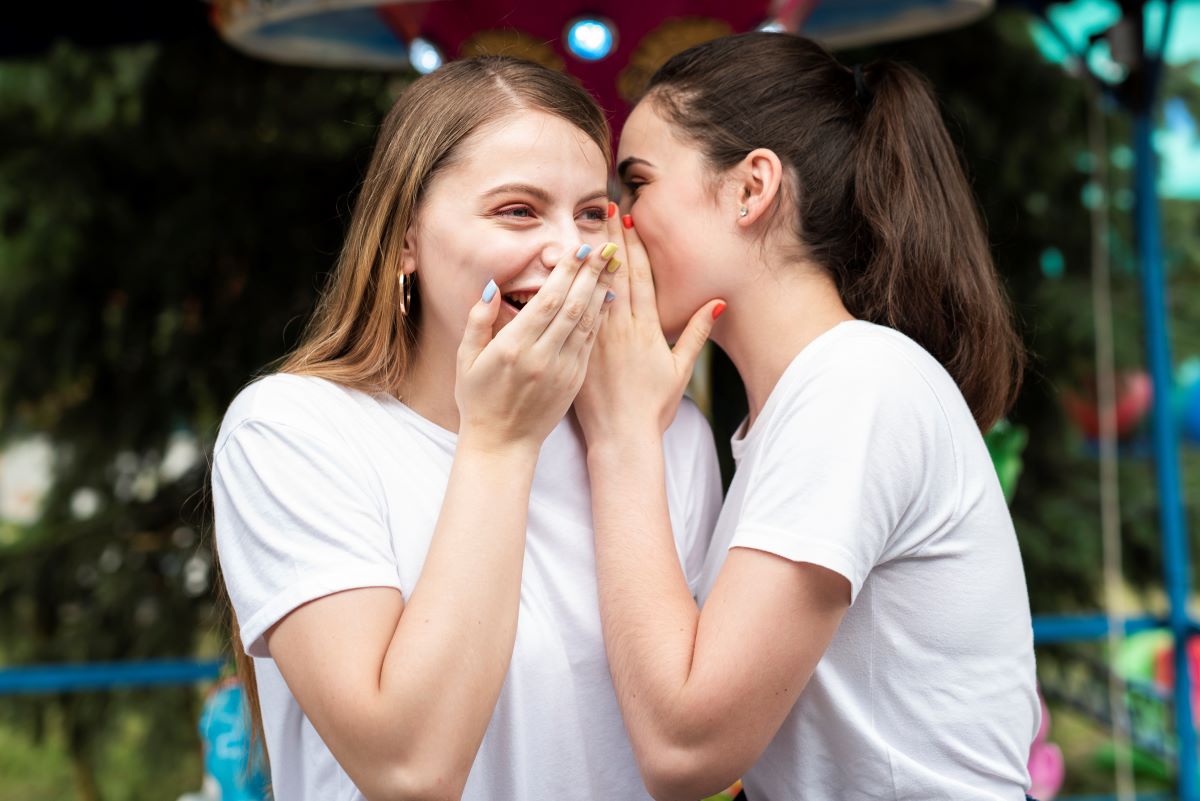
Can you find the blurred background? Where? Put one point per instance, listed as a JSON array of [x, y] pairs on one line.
[[175, 180]]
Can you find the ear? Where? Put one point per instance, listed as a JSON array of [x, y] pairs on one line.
[[408, 255], [759, 178]]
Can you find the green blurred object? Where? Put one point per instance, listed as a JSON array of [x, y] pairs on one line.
[[1136, 656], [1145, 764], [1005, 443]]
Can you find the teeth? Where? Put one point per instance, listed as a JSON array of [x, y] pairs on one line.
[[520, 298]]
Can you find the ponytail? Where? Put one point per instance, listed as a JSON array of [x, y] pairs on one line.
[[881, 201], [929, 272]]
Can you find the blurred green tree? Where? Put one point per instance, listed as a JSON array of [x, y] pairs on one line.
[[166, 212]]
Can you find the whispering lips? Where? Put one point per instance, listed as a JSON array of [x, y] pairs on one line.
[[517, 298]]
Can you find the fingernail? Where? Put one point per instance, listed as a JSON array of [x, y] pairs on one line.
[[718, 310], [490, 291], [627, 221], [610, 296], [583, 252], [608, 250], [612, 209], [614, 265]]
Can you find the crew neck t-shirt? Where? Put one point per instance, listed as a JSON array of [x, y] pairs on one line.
[[866, 460], [318, 488]]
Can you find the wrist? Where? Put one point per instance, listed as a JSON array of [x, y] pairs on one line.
[[623, 444], [513, 454]]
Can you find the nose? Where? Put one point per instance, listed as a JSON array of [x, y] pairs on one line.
[[560, 236]]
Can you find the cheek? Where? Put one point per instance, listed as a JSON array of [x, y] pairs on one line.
[[674, 240], [454, 269]]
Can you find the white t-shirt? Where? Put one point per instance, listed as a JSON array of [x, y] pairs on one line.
[[865, 460], [319, 488]]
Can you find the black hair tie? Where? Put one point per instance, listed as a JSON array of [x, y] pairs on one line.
[[860, 85]]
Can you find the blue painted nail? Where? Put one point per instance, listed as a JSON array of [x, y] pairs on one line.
[[490, 291], [610, 296], [583, 252]]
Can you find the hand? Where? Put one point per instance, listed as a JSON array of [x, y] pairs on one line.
[[635, 379], [512, 389]]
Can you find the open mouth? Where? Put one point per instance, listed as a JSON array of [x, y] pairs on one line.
[[518, 300]]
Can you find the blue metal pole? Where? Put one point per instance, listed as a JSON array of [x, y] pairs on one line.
[[1049, 629], [105, 675], [1176, 554]]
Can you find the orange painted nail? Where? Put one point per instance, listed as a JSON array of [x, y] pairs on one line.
[[718, 310], [612, 209], [627, 221]]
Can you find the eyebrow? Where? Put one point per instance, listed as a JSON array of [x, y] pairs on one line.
[[537, 192], [629, 162]]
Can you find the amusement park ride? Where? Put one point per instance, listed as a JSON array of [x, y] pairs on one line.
[[612, 46]]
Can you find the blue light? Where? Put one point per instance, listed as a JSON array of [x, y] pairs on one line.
[[424, 56], [591, 39], [772, 26]]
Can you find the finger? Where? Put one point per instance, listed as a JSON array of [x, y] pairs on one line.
[[581, 339], [594, 272], [616, 233], [533, 320], [641, 280], [480, 321], [691, 341]]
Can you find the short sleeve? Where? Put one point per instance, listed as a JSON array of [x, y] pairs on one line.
[[840, 464], [294, 522], [690, 437]]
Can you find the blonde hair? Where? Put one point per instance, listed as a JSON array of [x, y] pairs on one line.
[[357, 335]]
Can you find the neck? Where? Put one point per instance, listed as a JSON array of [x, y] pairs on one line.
[[428, 388], [769, 321]]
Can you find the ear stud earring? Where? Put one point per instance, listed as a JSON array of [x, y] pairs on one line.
[[743, 211]]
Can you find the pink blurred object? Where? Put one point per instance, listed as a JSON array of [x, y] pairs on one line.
[[1047, 770], [647, 33], [1135, 393]]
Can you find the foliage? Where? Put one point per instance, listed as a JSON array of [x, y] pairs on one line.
[[166, 212]]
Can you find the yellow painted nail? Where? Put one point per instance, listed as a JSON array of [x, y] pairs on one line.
[[614, 265], [608, 250]]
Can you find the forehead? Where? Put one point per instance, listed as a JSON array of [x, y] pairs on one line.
[[530, 147], [645, 132]]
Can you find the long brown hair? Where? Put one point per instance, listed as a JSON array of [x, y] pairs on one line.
[[357, 335], [881, 198]]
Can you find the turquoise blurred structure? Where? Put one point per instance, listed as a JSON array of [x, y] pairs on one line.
[[229, 772], [1177, 138]]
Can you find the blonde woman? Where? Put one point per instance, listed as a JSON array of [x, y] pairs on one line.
[[402, 510]]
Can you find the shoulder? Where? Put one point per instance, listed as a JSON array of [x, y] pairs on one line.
[[866, 370], [285, 401]]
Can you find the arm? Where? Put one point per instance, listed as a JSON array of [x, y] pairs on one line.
[[702, 693], [402, 693]]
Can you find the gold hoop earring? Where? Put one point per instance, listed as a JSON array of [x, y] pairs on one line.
[[406, 291]]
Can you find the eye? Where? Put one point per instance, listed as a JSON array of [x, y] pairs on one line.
[[595, 214], [516, 212], [632, 186]]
